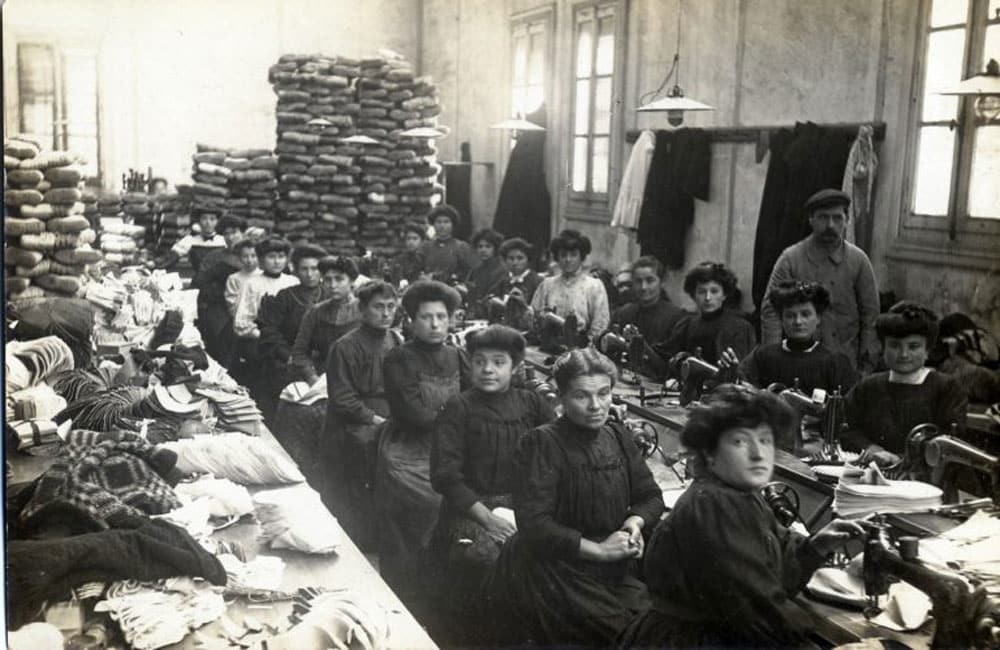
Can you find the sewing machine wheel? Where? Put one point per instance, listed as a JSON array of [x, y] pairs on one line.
[[783, 501], [645, 436]]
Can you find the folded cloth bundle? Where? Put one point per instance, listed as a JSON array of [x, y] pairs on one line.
[[861, 492], [42, 357], [160, 614], [38, 402], [34, 433], [295, 517], [225, 498], [242, 459], [103, 477], [46, 570]]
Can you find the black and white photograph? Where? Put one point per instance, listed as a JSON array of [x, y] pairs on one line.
[[458, 324]]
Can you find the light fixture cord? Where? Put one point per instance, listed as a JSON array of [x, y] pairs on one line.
[[674, 66]]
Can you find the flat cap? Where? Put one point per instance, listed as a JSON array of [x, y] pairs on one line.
[[827, 198]]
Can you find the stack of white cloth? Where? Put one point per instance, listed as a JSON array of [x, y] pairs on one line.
[[864, 491]]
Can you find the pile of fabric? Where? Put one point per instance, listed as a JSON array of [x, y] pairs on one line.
[[211, 181], [139, 211], [121, 243], [48, 237], [173, 218], [253, 185], [90, 208], [346, 194]]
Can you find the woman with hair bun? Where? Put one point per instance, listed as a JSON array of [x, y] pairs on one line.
[[723, 335], [574, 290], [885, 406], [583, 498], [721, 570]]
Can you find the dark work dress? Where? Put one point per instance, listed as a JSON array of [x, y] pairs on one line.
[[813, 367], [655, 322], [214, 322], [721, 572], [571, 483], [419, 379], [527, 284], [279, 318], [472, 460], [347, 448], [484, 280], [713, 333], [883, 413]]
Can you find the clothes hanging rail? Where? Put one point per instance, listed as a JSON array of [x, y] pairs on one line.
[[754, 133]]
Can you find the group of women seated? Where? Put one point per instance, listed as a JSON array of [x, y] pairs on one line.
[[500, 522]]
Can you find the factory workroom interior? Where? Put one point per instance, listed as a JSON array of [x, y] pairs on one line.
[[415, 324]]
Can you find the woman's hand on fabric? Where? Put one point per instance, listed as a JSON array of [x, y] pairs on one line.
[[882, 457], [618, 546], [834, 535], [633, 526]]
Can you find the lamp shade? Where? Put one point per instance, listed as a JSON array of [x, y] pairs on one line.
[[360, 139], [517, 125], [675, 104], [424, 132]]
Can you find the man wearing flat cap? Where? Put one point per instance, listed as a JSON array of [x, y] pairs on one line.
[[824, 256]]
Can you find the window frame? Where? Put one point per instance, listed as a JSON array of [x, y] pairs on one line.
[[60, 124], [590, 205], [962, 233]]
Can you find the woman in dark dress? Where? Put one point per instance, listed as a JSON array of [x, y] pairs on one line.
[[721, 570], [885, 406], [582, 496], [721, 332], [487, 278], [801, 358], [472, 467], [419, 376]]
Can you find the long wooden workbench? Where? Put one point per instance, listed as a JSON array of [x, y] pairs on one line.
[[832, 624], [347, 568]]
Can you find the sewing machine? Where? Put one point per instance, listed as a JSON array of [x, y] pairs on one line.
[[939, 459], [965, 618], [698, 375], [827, 409], [511, 310], [557, 334], [540, 386], [626, 346]]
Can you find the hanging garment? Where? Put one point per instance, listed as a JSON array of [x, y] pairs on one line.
[[859, 182], [633, 186], [678, 173], [524, 208], [804, 160]]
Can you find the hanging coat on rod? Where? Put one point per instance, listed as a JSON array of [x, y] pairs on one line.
[[524, 208], [678, 173]]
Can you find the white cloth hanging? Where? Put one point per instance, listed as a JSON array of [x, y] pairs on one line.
[[633, 185]]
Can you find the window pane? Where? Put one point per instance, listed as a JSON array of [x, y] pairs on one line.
[[536, 60], [517, 100], [36, 69], [582, 107], [600, 165], [984, 199], [580, 164], [534, 96], [993, 12], [606, 46], [80, 85], [85, 146], [36, 119], [584, 49], [949, 12], [991, 49], [520, 60], [934, 163], [602, 106], [945, 52]]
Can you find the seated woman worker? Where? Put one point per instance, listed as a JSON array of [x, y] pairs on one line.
[[583, 496], [883, 407], [721, 570], [280, 316], [326, 321], [800, 359], [487, 278], [472, 467], [722, 334], [420, 376], [573, 290]]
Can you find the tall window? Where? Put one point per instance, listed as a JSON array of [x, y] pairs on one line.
[[57, 93], [594, 66], [530, 41], [957, 161]]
